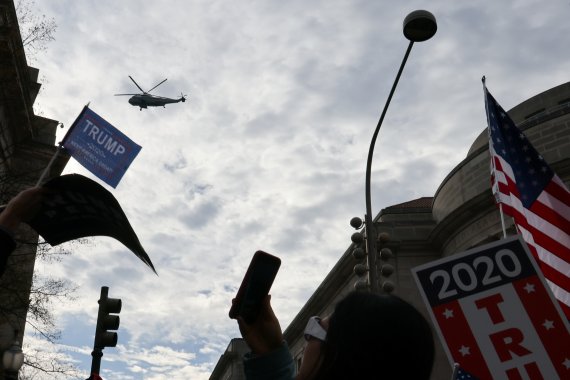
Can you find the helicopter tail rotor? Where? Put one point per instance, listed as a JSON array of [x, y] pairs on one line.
[[182, 97]]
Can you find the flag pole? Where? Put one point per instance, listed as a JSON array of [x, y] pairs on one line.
[[48, 167], [493, 161], [60, 147], [502, 220], [454, 374]]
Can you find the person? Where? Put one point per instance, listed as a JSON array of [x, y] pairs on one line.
[[21, 208], [368, 337]]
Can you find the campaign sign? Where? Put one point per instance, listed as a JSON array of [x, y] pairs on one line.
[[100, 147], [495, 315]]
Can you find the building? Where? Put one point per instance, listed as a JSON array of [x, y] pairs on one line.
[[230, 365], [461, 215], [27, 144]]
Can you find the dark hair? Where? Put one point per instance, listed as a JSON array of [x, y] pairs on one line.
[[380, 337]]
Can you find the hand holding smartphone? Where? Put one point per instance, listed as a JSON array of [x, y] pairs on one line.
[[255, 286]]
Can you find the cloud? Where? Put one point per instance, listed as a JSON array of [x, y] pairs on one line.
[[269, 151]]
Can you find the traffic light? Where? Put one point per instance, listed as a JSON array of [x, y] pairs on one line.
[[107, 320]]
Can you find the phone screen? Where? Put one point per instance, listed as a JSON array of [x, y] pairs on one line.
[[255, 286]]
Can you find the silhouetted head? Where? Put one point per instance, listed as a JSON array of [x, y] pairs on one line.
[[377, 337]]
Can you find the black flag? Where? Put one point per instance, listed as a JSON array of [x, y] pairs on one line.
[[77, 207]]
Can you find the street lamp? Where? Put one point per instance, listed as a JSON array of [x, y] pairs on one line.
[[12, 360], [419, 26]]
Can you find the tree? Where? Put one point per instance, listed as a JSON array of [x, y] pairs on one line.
[[32, 305], [42, 359], [36, 30], [26, 297]]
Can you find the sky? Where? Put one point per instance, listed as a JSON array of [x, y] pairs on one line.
[[269, 150]]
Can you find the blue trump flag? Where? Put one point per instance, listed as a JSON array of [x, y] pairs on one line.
[[100, 147]]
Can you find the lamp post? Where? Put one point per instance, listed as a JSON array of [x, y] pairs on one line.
[[12, 360], [419, 26]]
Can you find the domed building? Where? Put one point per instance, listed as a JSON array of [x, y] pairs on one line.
[[461, 215]]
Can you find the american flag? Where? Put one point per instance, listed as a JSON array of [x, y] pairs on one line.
[[527, 189], [461, 374]]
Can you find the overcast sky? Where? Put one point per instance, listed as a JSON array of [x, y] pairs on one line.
[[269, 151]]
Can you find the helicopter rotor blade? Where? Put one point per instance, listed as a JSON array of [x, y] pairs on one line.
[[157, 85], [136, 84], [126, 94]]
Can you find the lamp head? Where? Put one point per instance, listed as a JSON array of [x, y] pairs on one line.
[[13, 358], [419, 26]]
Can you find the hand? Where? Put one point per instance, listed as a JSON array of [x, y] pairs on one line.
[[325, 322], [312, 355], [264, 334], [21, 208]]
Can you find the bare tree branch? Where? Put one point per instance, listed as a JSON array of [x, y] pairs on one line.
[[22, 301], [33, 305], [36, 30]]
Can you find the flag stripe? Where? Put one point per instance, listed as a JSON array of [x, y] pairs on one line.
[[534, 196], [556, 221], [541, 220], [550, 228], [558, 191], [545, 245], [565, 308], [551, 271], [551, 212], [553, 268], [558, 269], [556, 199], [563, 295]]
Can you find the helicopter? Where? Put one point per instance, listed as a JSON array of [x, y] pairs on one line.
[[145, 99]]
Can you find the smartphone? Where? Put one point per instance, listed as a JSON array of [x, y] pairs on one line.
[[255, 286]]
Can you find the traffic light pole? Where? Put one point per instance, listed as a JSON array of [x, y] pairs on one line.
[[105, 321], [97, 353]]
